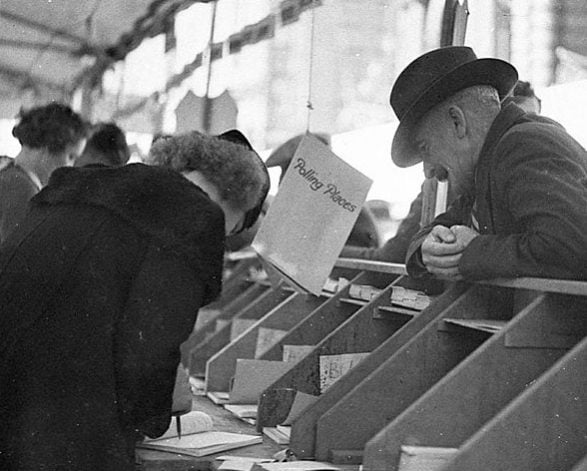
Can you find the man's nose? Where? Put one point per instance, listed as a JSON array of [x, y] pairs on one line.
[[429, 170], [435, 171]]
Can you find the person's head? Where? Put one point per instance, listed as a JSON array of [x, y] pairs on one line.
[[446, 101], [524, 96], [225, 166], [106, 145], [283, 154], [54, 129]]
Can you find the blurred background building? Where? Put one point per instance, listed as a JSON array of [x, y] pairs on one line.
[[274, 68]]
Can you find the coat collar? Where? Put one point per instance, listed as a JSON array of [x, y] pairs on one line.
[[160, 203], [506, 118]]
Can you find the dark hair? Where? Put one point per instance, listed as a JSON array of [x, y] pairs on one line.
[[523, 92], [108, 140], [524, 88], [234, 169], [282, 155], [54, 126]]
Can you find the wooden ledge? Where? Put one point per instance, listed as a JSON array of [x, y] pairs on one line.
[[573, 287]]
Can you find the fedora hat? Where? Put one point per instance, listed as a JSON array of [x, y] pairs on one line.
[[431, 79]]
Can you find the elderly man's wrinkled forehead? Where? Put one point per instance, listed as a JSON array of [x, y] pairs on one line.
[[428, 126]]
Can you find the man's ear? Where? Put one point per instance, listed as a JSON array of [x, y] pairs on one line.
[[458, 121]]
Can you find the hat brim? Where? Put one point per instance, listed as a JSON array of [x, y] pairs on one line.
[[494, 72], [236, 137]]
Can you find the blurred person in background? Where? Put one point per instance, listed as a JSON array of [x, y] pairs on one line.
[[106, 145], [100, 285], [395, 248], [51, 136], [524, 96]]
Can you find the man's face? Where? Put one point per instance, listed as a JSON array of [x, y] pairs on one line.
[[445, 156]]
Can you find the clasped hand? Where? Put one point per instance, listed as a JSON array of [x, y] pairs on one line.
[[443, 248]]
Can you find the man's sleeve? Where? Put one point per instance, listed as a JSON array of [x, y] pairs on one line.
[[456, 214], [394, 249], [544, 188]]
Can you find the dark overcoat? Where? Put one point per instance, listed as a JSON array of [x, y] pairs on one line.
[[530, 204], [98, 288]]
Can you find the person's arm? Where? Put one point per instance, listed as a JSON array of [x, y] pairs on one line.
[[456, 214], [394, 249], [544, 188], [160, 314], [364, 232]]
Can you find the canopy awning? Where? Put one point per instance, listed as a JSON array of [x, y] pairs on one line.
[[50, 47]]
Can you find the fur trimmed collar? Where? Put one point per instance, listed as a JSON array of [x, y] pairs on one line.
[[158, 202]]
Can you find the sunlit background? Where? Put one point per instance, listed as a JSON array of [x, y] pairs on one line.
[[339, 59]]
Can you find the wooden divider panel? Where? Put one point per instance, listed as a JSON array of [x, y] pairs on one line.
[[361, 332], [405, 375], [256, 308], [227, 312], [221, 366], [543, 429], [469, 395], [303, 433]]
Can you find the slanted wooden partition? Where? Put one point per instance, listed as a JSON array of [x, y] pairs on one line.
[[352, 326], [489, 376], [518, 401], [292, 310], [253, 306], [416, 359]]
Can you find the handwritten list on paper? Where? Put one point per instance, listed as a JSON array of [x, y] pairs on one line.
[[295, 353], [333, 367]]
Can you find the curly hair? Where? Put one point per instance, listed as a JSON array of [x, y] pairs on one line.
[[54, 126], [236, 171]]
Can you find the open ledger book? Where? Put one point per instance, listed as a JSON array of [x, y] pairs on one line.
[[198, 438], [311, 217]]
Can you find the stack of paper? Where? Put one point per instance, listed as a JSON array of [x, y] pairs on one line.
[[303, 466], [198, 437], [276, 435], [218, 397], [203, 443], [410, 298], [364, 292], [246, 412]]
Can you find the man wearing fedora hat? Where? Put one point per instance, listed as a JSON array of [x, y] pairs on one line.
[[520, 178]]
